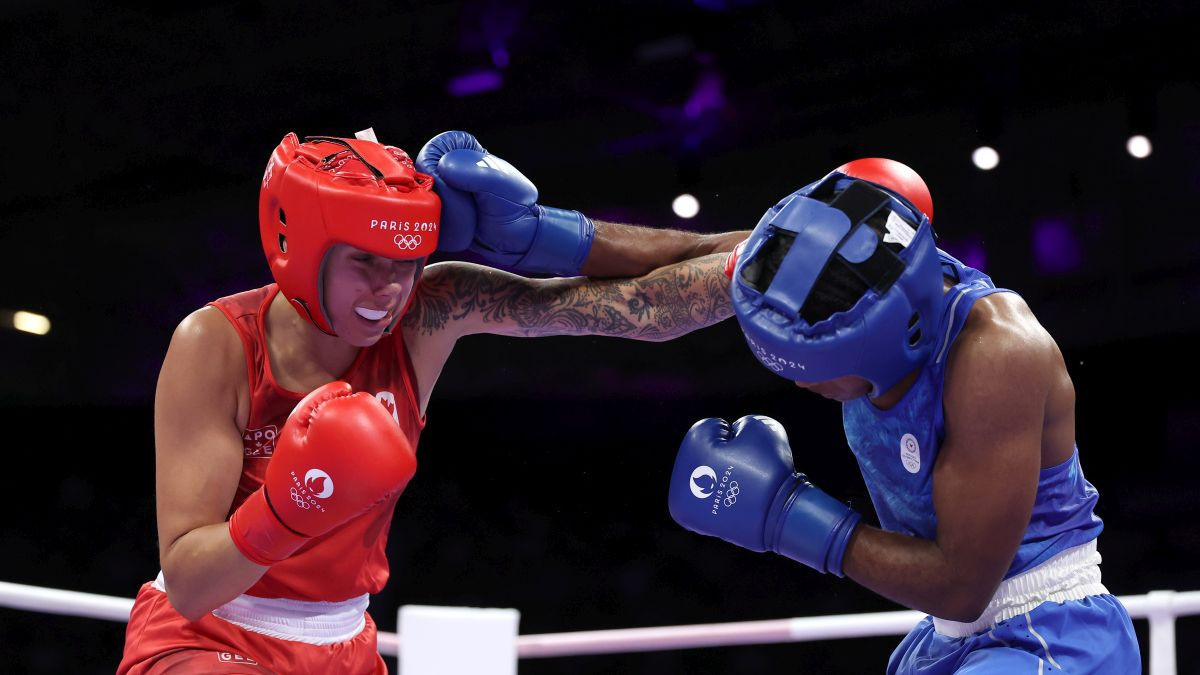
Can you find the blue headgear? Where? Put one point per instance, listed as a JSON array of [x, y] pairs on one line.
[[889, 331]]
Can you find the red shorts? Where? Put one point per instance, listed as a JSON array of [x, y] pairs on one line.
[[160, 640]]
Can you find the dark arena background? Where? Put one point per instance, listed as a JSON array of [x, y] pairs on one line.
[[136, 135]]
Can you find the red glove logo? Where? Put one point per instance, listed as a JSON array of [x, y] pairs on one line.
[[319, 484]]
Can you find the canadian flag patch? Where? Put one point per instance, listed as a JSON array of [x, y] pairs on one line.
[[388, 399]]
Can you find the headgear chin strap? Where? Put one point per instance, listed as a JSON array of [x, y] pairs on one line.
[[889, 331], [329, 191]]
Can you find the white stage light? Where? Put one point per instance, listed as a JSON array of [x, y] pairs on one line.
[[29, 322], [985, 158], [1139, 146], [685, 206]]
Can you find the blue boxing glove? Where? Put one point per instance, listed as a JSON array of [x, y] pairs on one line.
[[738, 483], [510, 228], [458, 206]]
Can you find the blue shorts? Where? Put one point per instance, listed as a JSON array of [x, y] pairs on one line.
[[1092, 635]]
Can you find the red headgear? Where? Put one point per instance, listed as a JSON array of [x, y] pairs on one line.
[[330, 191]]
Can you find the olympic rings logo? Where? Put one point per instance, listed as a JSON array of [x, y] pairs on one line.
[[407, 242], [299, 499], [731, 493]]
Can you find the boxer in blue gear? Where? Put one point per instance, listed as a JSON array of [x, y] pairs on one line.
[[959, 409]]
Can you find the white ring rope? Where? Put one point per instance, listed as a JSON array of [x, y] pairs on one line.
[[1160, 607], [71, 603], [798, 629]]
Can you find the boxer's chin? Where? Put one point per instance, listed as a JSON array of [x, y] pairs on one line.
[[361, 331]]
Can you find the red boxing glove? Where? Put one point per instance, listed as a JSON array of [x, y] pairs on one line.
[[732, 258], [895, 176], [338, 455]]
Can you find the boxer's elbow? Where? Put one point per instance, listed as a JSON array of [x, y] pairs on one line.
[[962, 599], [964, 607], [195, 591], [179, 586], [190, 613], [195, 601], [190, 607]]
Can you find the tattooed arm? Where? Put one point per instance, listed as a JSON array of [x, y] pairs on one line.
[[628, 250], [456, 299]]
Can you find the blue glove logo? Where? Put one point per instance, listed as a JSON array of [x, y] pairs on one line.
[[703, 482], [496, 164]]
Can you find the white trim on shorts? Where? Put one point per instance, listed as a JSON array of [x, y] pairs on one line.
[[1070, 575], [314, 623]]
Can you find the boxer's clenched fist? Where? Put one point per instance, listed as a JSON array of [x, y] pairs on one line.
[[338, 455]]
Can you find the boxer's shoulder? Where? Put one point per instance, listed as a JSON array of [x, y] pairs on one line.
[[1004, 321], [207, 333], [1002, 344], [205, 361]]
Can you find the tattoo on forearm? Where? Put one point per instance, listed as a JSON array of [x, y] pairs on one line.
[[659, 306]]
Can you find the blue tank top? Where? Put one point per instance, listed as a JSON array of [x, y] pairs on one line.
[[896, 449]]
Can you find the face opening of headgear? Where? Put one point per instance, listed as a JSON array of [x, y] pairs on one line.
[[842, 278], [329, 191]]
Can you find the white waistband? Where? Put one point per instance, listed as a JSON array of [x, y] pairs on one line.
[[1073, 574], [316, 623]]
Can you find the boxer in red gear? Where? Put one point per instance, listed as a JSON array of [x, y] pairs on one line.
[[250, 585]]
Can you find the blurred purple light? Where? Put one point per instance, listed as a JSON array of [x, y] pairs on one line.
[[500, 57], [708, 95], [1056, 247], [723, 5], [476, 82], [970, 251]]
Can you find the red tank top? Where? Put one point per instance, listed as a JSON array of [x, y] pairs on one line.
[[350, 560]]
